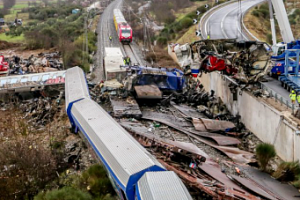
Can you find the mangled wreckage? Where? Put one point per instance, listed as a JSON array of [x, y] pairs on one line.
[[148, 82], [246, 61]]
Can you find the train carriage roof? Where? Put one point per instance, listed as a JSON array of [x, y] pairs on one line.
[[162, 185], [121, 153]]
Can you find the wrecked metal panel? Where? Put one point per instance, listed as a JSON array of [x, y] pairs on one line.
[[199, 125], [266, 182], [140, 129], [125, 107], [188, 111], [237, 155], [253, 187], [217, 125], [216, 191], [190, 180], [148, 92], [187, 127], [213, 169], [226, 141]]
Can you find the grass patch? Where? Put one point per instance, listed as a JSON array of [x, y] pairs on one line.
[[182, 12], [189, 36], [12, 39], [287, 171], [264, 153]]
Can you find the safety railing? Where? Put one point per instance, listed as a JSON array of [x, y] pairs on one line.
[[279, 98]]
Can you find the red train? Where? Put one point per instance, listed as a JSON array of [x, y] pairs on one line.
[[123, 29]]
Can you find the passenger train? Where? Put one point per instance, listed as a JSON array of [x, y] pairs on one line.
[[134, 172], [123, 28]]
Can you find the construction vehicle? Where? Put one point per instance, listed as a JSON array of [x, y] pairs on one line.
[[291, 80], [279, 49]]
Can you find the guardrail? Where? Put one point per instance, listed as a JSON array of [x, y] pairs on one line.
[[279, 98], [272, 93], [207, 13], [244, 26]]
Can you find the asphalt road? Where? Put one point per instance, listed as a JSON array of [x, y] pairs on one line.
[[224, 23]]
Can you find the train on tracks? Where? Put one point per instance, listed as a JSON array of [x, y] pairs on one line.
[[133, 171], [124, 30]]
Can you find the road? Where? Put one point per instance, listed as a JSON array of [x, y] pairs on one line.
[[223, 23]]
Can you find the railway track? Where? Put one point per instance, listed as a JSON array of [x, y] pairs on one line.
[[129, 51]]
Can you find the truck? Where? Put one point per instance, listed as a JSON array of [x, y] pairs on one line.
[[290, 80], [289, 43]]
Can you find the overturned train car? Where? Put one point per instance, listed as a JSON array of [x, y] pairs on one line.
[[133, 171]]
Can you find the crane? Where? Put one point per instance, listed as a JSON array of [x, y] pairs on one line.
[[284, 26]]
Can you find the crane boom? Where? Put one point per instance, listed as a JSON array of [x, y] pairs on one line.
[[283, 21]]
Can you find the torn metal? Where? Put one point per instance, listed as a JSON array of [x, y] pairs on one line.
[[187, 127], [148, 92], [203, 124], [247, 61], [127, 107], [171, 148], [213, 189]]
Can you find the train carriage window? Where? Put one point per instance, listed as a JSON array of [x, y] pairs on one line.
[[35, 78], [2, 82], [125, 31]]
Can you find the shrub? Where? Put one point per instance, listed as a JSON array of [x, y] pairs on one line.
[[162, 41], [287, 171], [255, 13], [65, 193], [98, 181], [264, 153], [186, 22]]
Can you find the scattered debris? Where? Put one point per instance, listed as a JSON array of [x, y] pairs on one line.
[[247, 61], [210, 125], [187, 127], [163, 78], [125, 107], [148, 92], [44, 62]]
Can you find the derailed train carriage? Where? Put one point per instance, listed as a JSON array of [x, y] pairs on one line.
[[133, 171]]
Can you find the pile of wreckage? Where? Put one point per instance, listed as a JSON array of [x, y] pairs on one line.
[[246, 61], [44, 62], [190, 132]]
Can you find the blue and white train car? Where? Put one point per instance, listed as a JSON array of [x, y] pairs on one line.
[[124, 158], [161, 185]]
